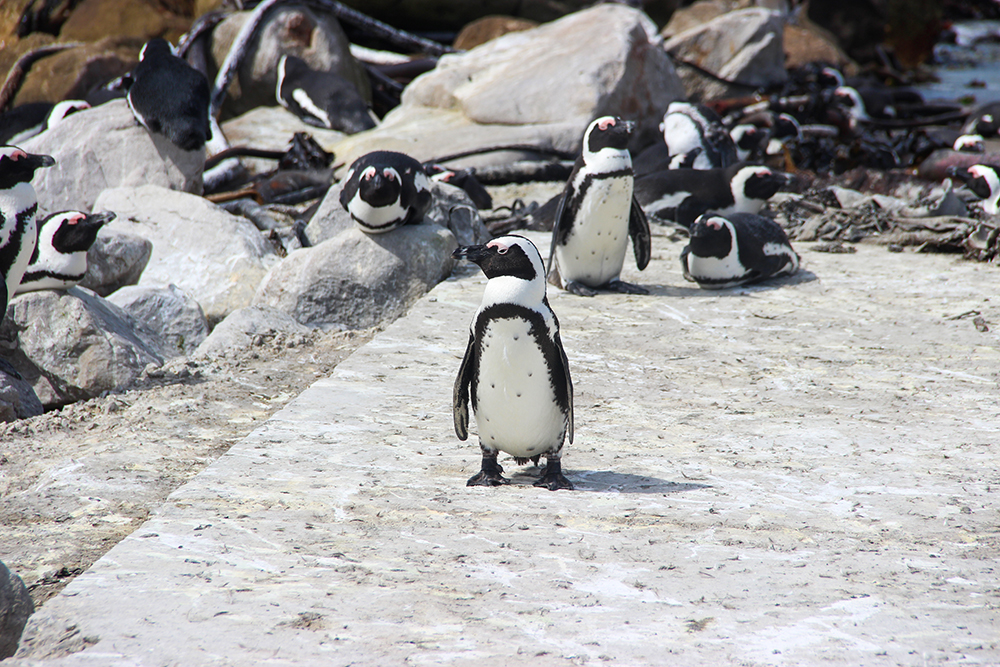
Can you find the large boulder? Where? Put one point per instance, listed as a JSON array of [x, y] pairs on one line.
[[536, 86], [105, 147], [242, 327], [215, 257], [313, 36], [15, 608], [73, 345], [176, 319], [744, 46], [115, 260], [356, 280], [17, 401]]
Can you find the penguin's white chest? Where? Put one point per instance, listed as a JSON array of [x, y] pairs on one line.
[[15, 201], [595, 247], [721, 271], [516, 409], [377, 218]]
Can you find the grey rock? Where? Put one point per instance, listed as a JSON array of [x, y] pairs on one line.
[[115, 260], [215, 257], [105, 147], [15, 608], [177, 320], [315, 37], [73, 345], [17, 401], [356, 280], [745, 46], [239, 330], [330, 218], [540, 86], [272, 128]]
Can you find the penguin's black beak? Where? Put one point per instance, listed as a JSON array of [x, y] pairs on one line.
[[958, 172], [473, 253], [39, 161], [98, 220]]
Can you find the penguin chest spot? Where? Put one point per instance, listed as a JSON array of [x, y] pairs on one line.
[[595, 247], [719, 271], [516, 409]]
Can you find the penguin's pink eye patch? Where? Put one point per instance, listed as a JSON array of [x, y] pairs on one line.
[[368, 173], [714, 223], [17, 154], [977, 171], [389, 173], [606, 123], [501, 248], [74, 219]]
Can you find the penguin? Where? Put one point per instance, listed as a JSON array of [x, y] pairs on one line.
[[27, 120], [514, 370], [696, 137], [749, 140], [984, 120], [735, 249], [984, 181], [169, 97], [596, 215], [59, 261], [681, 195], [322, 99], [18, 206], [969, 143], [384, 190], [464, 179]]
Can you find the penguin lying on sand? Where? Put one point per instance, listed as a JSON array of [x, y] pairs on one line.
[[740, 248], [514, 371], [323, 99], [60, 258], [696, 137], [597, 214], [384, 190], [169, 97], [984, 181], [18, 206]]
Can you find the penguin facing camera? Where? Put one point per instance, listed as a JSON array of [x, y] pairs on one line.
[[736, 249], [60, 258], [515, 370], [598, 214], [384, 190]]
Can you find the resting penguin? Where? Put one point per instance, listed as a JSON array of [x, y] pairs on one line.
[[27, 120], [984, 181], [596, 215], [169, 97], [514, 370], [731, 250], [384, 190], [60, 258], [323, 99], [696, 137], [18, 205], [681, 195]]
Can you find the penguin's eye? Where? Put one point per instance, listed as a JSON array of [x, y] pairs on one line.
[[369, 172], [502, 250]]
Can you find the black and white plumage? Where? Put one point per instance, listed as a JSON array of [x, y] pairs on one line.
[[27, 120], [984, 120], [384, 190], [735, 249], [59, 260], [323, 99], [969, 143], [597, 215], [18, 206], [984, 182], [696, 137], [681, 195], [464, 179], [749, 140], [515, 371], [169, 97]]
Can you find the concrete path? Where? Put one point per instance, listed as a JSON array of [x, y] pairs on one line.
[[791, 474]]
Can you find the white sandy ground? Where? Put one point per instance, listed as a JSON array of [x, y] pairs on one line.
[[801, 473]]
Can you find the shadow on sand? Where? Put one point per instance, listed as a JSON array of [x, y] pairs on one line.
[[605, 480]]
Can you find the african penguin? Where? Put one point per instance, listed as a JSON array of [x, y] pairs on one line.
[[169, 97], [984, 120], [969, 143], [984, 182], [323, 99], [749, 140], [27, 120], [60, 258], [18, 206], [597, 214], [681, 195], [464, 179], [734, 249], [515, 370], [696, 137], [384, 190]]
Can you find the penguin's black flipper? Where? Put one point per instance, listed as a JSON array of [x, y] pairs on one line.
[[460, 396], [566, 383], [638, 229], [684, 264]]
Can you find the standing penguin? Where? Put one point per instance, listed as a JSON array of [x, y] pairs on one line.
[[60, 258], [515, 370], [384, 190], [169, 97], [739, 248], [323, 99], [596, 215], [18, 205]]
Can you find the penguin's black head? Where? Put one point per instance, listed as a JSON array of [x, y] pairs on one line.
[[16, 166], [608, 132], [379, 185], [77, 231], [985, 125], [760, 182], [980, 178], [711, 236], [155, 48], [510, 255]]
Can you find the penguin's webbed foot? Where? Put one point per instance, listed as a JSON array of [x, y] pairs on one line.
[[491, 474], [579, 288], [552, 477], [623, 287]]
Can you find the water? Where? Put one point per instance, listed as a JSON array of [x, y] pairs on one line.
[[966, 61]]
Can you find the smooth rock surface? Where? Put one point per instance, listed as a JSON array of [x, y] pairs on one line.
[[72, 345], [215, 257], [176, 319], [105, 147], [115, 260]]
